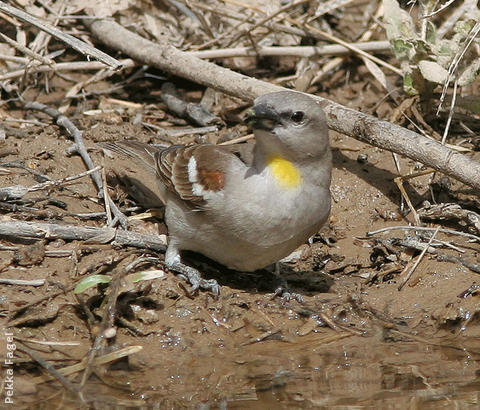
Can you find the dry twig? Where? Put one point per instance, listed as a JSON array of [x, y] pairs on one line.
[[21, 282], [18, 191], [80, 147], [35, 230], [73, 42], [423, 228], [297, 51], [71, 66], [419, 259], [450, 212], [108, 317]]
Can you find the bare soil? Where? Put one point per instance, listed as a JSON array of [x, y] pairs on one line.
[[356, 340]]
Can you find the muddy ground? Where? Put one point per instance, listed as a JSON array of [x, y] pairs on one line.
[[356, 340]]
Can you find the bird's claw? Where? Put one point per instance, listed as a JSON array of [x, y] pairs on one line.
[[286, 295], [192, 276]]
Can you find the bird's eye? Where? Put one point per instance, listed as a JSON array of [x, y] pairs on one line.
[[298, 116]]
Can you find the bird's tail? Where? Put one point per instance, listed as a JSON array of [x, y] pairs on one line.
[[138, 151]]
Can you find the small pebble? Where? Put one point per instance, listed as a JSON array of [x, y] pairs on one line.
[[362, 158], [110, 333]]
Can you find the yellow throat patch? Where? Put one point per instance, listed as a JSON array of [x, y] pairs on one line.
[[286, 174]]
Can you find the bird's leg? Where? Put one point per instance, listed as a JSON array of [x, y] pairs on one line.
[[283, 290], [191, 275]]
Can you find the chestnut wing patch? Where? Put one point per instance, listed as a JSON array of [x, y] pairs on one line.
[[193, 173], [211, 180]]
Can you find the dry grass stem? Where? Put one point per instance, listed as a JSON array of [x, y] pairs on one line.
[[98, 361], [419, 259]]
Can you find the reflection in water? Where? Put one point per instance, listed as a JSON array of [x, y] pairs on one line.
[[324, 369], [362, 372]]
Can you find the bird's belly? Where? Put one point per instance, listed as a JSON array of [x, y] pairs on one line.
[[248, 251], [244, 256], [250, 237]]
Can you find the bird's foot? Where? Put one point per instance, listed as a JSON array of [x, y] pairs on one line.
[[287, 295], [283, 291], [192, 276]]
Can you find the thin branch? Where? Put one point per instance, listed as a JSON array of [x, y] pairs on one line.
[[439, 10], [456, 61], [347, 45], [73, 42], [18, 191], [110, 313], [296, 51], [417, 262], [26, 51], [72, 66], [37, 230], [21, 282], [364, 38], [265, 20], [423, 228], [80, 147]]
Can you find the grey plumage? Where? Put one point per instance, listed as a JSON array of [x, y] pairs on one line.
[[245, 216]]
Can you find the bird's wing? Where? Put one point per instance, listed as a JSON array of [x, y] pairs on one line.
[[194, 173]]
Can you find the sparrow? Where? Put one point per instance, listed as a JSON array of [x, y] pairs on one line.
[[246, 216]]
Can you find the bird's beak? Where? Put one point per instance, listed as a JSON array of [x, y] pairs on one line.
[[261, 116]]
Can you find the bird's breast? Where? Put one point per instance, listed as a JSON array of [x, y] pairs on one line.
[[285, 173]]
